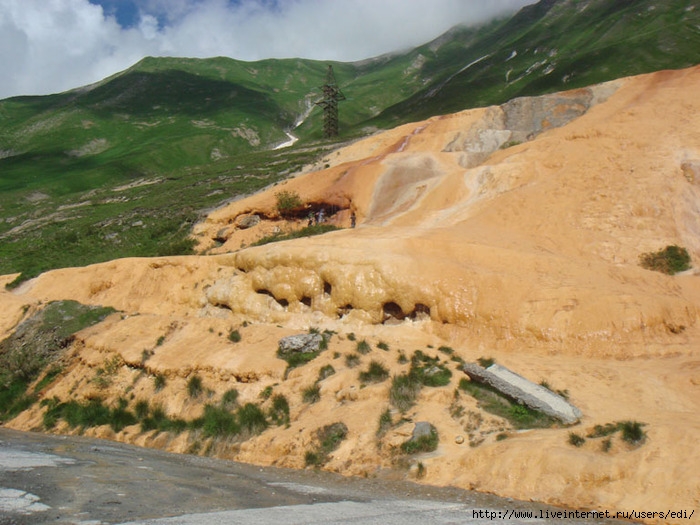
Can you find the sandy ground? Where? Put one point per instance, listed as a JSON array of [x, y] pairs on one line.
[[510, 232]]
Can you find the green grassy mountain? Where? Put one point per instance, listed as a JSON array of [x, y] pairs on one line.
[[123, 167]]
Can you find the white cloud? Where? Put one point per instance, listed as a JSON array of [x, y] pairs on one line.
[[48, 46]]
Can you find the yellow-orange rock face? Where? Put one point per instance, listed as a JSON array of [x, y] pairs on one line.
[[513, 232]]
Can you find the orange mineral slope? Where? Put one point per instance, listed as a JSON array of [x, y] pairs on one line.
[[511, 232]]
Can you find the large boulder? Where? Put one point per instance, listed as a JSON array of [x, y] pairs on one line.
[[301, 343], [523, 391]]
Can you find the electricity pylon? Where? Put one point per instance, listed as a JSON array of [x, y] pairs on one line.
[[329, 103]]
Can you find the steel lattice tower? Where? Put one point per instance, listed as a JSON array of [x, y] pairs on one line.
[[329, 103]]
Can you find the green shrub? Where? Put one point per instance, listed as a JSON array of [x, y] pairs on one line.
[[266, 392], [485, 362], [160, 340], [428, 370], [234, 336], [632, 432], [670, 260], [230, 398], [446, 350], [383, 346], [251, 418], [218, 422], [329, 438], [603, 430], [311, 394], [376, 373], [141, 409], [288, 202], [194, 386], [351, 336]]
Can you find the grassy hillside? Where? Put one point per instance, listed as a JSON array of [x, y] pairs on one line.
[[158, 143]]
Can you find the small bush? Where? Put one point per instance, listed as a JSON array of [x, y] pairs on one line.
[[279, 413], [351, 336], [603, 430], [288, 202], [384, 422], [230, 398], [363, 347], [606, 445], [234, 336], [670, 260], [376, 373], [160, 340], [251, 418], [329, 438], [194, 386], [159, 382], [485, 362], [404, 391], [311, 394], [218, 422], [352, 360], [141, 409], [576, 440], [266, 392], [632, 432], [383, 346], [402, 359], [325, 372], [446, 350]]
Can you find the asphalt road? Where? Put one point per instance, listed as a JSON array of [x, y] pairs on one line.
[[73, 480]]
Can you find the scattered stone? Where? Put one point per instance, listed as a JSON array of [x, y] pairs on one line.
[[524, 391], [301, 343], [459, 440], [248, 221], [222, 235]]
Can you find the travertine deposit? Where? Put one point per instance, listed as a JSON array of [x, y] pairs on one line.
[[509, 232]]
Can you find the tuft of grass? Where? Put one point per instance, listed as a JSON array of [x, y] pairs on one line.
[[404, 391], [329, 438], [230, 398], [217, 421], [311, 394], [485, 362], [376, 373], [194, 386], [383, 346], [603, 430], [363, 347], [234, 336], [632, 432], [325, 372], [446, 350], [351, 336], [576, 440], [160, 340], [384, 422], [159, 382], [266, 392], [279, 412], [670, 260], [429, 370], [352, 360]]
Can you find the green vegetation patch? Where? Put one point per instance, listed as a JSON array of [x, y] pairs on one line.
[[37, 343], [495, 403], [375, 373], [308, 231], [672, 259], [429, 370], [329, 438], [425, 443]]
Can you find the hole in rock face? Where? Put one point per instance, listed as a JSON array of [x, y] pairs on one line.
[[345, 310], [420, 311], [306, 301], [282, 302], [263, 291], [392, 311], [327, 288]]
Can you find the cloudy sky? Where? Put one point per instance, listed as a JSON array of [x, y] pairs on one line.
[[48, 46]]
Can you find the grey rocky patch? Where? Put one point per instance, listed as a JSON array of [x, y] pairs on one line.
[[422, 429], [301, 343], [524, 391], [20, 502]]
